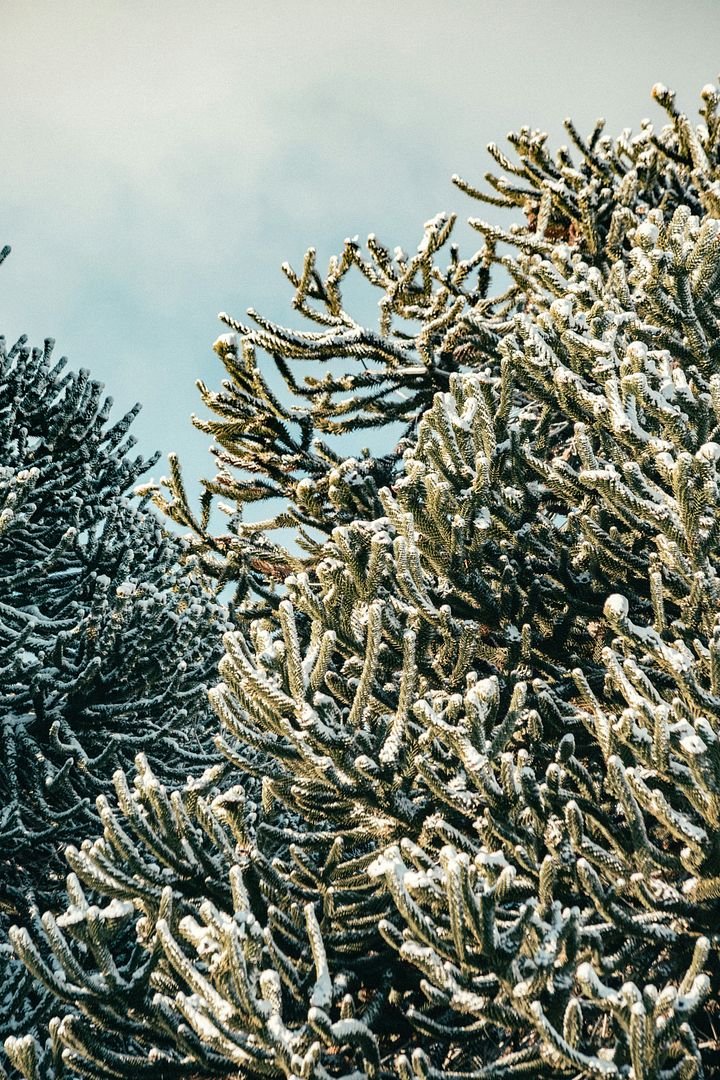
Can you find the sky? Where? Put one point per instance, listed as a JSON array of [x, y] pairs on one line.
[[160, 161]]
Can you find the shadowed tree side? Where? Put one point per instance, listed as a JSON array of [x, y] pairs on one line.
[[109, 633]]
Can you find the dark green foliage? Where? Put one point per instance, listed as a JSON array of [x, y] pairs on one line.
[[469, 824], [108, 633]]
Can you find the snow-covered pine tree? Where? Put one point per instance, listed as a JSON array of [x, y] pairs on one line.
[[483, 713], [109, 635]]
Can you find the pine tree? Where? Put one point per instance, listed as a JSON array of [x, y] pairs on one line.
[[108, 633], [472, 823]]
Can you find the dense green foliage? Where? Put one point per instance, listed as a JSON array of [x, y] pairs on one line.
[[108, 634], [466, 821]]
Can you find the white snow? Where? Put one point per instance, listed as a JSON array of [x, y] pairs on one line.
[[709, 451], [616, 606], [647, 231], [693, 745]]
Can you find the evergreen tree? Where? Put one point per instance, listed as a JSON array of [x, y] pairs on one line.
[[108, 634], [473, 823]]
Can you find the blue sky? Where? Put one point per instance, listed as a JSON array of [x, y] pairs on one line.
[[159, 161]]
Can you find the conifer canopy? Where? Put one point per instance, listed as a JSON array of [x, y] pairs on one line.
[[464, 823], [108, 633]]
